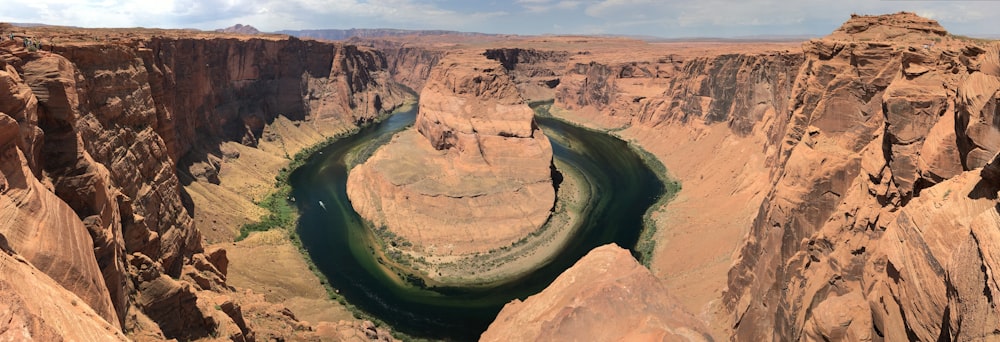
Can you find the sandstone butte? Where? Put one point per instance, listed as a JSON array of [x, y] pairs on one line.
[[474, 174], [843, 188]]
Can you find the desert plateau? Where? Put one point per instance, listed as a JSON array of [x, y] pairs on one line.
[[243, 184]]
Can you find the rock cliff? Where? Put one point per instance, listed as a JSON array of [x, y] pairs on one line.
[[97, 135], [474, 175], [875, 120], [606, 296], [864, 165], [854, 176]]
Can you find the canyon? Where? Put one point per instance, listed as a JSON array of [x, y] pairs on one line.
[[842, 188]]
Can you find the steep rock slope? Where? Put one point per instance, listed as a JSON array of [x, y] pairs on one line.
[[715, 117], [96, 135], [33, 305], [873, 131], [409, 64], [861, 168], [606, 296], [474, 175]]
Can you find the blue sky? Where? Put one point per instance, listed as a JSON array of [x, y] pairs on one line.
[[705, 18]]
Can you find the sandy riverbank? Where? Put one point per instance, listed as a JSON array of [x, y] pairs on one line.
[[507, 262]]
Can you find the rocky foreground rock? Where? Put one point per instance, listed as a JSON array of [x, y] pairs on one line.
[[95, 136], [606, 296], [474, 175]]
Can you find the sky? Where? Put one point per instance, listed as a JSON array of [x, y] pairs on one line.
[[663, 18]]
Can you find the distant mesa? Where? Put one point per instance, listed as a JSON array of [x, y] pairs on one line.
[[240, 29], [336, 34]]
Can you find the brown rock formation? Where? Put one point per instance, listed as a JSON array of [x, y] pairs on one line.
[[409, 64], [881, 117], [861, 173], [34, 306], [476, 173], [863, 166], [92, 136], [37, 224], [606, 296], [873, 127]]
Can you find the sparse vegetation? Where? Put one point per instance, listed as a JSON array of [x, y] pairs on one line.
[[281, 214], [646, 245]]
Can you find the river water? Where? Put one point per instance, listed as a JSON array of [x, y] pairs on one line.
[[335, 237]]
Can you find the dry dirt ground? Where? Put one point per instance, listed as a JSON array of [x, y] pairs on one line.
[[266, 263]]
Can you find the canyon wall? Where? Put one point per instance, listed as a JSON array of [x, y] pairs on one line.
[[841, 189], [864, 169], [97, 134], [409, 64]]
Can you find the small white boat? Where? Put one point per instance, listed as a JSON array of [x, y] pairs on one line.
[[322, 205]]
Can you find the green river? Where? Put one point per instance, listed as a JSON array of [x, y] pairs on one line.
[[334, 235]]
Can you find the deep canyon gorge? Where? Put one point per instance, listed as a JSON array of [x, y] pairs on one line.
[[841, 188]]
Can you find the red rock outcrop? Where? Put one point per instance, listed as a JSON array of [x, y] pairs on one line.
[[95, 136], [38, 225], [870, 159], [474, 175], [606, 296], [873, 128], [864, 124], [409, 64], [34, 306], [876, 146]]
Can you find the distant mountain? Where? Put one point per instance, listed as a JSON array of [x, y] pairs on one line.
[[240, 29], [31, 25], [334, 34]]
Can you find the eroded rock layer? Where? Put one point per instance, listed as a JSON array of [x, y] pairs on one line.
[[866, 161], [474, 175], [96, 137]]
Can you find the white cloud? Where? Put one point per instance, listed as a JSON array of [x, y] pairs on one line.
[[542, 6], [265, 14], [608, 8], [649, 17]]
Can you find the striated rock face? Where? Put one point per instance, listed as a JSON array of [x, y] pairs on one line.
[[34, 306], [96, 136], [534, 71], [408, 64], [877, 183], [873, 129], [606, 296], [37, 224], [930, 274], [475, 174]]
